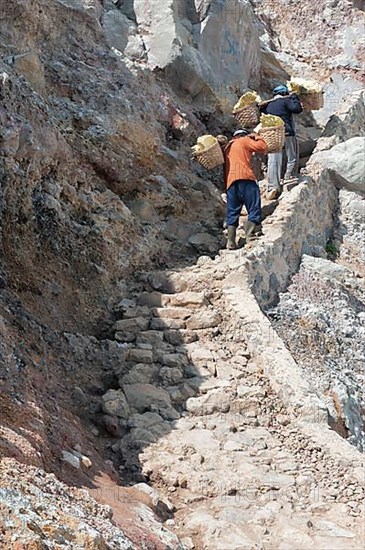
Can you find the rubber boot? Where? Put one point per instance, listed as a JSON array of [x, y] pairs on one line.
[[258, 230], [273, 194], [231, 242], [250, 231]]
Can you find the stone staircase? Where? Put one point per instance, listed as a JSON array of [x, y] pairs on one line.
[[200, 421]]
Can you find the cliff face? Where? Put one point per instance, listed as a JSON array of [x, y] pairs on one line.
[[86, 141]]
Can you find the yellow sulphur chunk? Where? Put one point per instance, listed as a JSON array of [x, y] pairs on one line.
[[301, 86], [247, 99], [268, 121], [203, 143]]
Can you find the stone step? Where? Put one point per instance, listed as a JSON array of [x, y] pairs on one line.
[[132, 325], [166, 324], [172, 312], [188, 299]]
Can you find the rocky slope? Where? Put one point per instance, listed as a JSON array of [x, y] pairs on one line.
[[135, 410]]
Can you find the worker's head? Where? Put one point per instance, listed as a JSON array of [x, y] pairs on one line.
[[242, 132], [222, 140], [282, 89]]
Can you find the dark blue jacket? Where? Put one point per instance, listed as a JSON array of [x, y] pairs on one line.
[[284, 107]]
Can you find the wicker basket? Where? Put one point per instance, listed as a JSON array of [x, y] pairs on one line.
[[312, 101], [210, 158], [249, 116], [274, 138]]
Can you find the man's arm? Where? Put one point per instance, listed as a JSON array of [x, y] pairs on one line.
[[293, 104], [256, 144]]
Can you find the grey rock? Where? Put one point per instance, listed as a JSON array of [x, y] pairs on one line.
[[145, 420], [141, 396], [153, 299], [170, 376], [133, 324], [115, 403], [139, 374], [326, 268], [178, 337], [139, 311], [140, 355], [126, 337], [71, 459], [175, 360], [152, 337], [163, 324], [344, 165], [111, 425], [204, 241]]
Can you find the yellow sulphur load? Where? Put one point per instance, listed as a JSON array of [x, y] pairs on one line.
[[208, 152], [310, 92], [203, 143], [301, 86], [269, 121], [272, 130], [247, 99]]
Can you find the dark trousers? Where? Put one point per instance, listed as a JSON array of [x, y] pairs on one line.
[[243, 193]]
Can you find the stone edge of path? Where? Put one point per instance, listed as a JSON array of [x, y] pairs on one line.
[[306, 409], [258, 275]]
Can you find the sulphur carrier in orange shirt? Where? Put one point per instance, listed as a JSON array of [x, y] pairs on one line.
[[241, 186]]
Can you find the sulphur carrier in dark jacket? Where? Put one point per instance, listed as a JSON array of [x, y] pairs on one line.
[[284, 107]]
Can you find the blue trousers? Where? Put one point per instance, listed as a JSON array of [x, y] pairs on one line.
[[243, 193]]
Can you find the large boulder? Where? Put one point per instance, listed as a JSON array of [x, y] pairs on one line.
[[122, 34], [205, 48], [348, 121], [344, 165]]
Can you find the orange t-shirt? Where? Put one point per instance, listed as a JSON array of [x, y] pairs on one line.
[[238, 154]]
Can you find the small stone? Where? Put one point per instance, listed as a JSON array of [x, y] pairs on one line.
[[152, 337], [153, 299], [132, 325], [126, 337], [71, 459], [86, 462], [170, 375], [175, 360], [115, 403], [111, 425], [139, 311], [188, 543], [140, 355], [203, 320], [178, 337], [79, 396]]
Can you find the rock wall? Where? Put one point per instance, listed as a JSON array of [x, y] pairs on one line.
[[96, 176]]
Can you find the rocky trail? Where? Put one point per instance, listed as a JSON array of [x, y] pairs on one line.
[[197, 442], [233, 467]]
